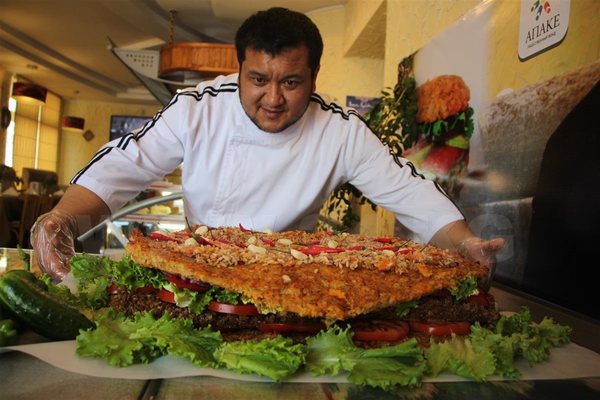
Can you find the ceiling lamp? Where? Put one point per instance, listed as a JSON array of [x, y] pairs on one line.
[[73, 124], [30, 93], [191, 60]]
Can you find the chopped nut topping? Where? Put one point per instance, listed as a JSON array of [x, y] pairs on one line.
[[201, 230], [332, 244], [190, 242], [286, 278], [285, 242], [257, 249], [251, 240], [298, 255]]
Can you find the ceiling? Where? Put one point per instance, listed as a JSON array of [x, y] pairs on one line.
[[64, 45]]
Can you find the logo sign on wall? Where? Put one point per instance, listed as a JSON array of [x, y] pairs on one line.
[[543, 25]]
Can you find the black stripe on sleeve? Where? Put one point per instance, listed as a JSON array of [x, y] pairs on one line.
[[126, 139]]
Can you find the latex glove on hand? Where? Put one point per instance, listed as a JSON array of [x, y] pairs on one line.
[[483, 251], [52, 239]]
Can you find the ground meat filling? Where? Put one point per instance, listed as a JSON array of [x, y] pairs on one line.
[[431, 308], [130, 303]]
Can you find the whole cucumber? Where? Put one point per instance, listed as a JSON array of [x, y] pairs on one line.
[[28, 299]]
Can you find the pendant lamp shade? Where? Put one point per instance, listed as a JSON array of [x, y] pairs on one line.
[[74, 124], [29, 93]]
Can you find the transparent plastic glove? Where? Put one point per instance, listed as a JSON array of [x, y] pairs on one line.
[[483, 251], [53, 238]]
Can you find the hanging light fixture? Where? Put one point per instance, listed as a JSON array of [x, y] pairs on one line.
[[191, 60], [73, 124], [30, 93]]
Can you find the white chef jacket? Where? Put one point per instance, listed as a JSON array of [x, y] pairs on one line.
[[234, 173]]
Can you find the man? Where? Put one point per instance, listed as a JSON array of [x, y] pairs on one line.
[[259, 148]]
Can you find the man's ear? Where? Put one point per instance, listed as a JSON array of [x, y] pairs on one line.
[[314, 78]]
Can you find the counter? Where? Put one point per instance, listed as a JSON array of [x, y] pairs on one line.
[[26, 377]]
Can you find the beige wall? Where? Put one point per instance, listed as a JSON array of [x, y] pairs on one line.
[[411, 24], [74, 151], [341, 76], [581, 46]]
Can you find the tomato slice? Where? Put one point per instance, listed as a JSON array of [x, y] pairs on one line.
[[166, 296], [379, 330], [311, 328], [482, 298], [239, 309], [113, 288], [441, 328], [183, 283]]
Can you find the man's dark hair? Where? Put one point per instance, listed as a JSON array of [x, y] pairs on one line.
[[276, 30]]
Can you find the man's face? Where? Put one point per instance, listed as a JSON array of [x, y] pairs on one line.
[[275, 90]]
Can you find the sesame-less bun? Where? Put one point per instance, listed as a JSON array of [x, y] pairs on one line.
[[442, 97], [270, 269]]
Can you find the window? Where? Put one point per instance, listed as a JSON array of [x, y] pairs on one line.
[[33, 140]]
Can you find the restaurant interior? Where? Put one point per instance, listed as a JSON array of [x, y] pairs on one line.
[[77, 74]]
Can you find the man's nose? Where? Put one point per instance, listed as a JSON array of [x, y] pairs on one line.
[[274, 95]]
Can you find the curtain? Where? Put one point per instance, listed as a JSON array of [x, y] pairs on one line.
[[36, 135]]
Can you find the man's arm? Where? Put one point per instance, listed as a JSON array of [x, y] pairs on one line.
[[80, 201], [53, 234]]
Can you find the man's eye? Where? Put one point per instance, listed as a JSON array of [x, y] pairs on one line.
[[290, 84], [258, 80]]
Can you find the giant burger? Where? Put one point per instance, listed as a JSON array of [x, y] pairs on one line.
[[272, 303], [249, 284]]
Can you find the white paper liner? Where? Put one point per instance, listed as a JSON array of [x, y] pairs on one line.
[[568, 362]]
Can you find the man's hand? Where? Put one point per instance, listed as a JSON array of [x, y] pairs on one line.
[[54, 233], [457, 236], [481, 250], [53, 238]]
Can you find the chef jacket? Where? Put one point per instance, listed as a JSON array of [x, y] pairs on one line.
[[235, 173]]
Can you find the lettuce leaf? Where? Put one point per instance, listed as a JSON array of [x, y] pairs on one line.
[[488, 352], [276, 357], [464, 288], [332, 352], [123, 341], [95, 274]]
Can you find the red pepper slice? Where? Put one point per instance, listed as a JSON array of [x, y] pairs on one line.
[[183, 235], [311, 251], [314, 250], [268, 241], [404, 251], [202, 241], [157, 235], [383, 240], [244, 229]]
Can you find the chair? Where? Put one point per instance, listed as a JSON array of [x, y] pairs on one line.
[[31, 210], [46, 204]]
